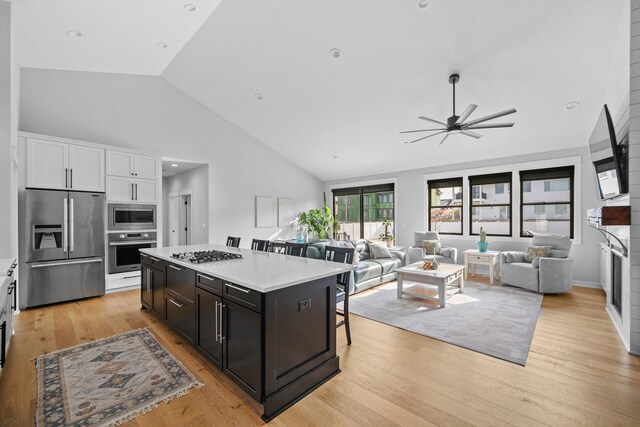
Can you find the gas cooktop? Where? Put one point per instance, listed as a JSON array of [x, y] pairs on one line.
[[199, 257]]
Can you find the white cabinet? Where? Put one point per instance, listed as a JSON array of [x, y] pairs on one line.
[[121, 189], [124, 164], [86, 168], [58, 165]]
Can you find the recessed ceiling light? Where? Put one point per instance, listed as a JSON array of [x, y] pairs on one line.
[[333, 156], [258, 96], [189, 7], [74, 33], [423, 4], [175, 165], [571, 105], [335, 53], [162, 45]]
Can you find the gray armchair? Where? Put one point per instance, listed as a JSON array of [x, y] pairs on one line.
[[415, 252], [549, 275]]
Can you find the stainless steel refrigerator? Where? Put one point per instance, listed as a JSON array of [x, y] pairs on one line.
[[64, 245]]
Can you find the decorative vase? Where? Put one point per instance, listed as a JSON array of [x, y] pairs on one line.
[[389, 243], [483, 246]]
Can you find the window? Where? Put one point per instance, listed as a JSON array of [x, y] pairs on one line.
[[445, 205], [547, 201], [490, 208], [361, 210]]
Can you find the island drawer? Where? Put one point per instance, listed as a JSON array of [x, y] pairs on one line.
[[182, 281], [180, 314], [211, 284], [152, 261], [243, 296]]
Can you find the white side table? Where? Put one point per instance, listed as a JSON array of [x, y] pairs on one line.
[[473, 257]]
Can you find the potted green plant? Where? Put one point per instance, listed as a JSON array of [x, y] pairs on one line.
[[387, 236], [320, 222], [483, 245]]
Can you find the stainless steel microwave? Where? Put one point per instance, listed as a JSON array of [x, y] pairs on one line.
[[131, 217]]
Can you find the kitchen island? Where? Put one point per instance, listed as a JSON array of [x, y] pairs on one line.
[[266, 320]]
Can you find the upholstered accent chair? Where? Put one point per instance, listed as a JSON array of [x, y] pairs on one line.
[[416, 253], [548, 275]]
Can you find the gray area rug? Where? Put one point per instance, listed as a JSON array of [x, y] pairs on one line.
[[495, 320]]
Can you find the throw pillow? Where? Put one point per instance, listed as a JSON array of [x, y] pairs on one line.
[[430, 245], [537, 251], [379, 250]]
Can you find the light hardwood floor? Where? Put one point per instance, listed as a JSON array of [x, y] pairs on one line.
[[578, 373]]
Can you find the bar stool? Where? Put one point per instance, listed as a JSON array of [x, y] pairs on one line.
[[296, 249], [259, 245], [345, 256], [233, 242], [277, 247]]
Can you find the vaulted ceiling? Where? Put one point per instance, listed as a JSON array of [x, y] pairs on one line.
[[267, 66]]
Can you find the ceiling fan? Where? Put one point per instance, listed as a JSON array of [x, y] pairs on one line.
[[456, 124]]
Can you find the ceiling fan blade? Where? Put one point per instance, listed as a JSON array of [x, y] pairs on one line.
[[492, 116], [420, 130], [470, 109], [493, 125], [432, 120], [471, 134], [445, 137], [429, 136]]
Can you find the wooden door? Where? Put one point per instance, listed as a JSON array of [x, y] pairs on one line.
[[47, 164]]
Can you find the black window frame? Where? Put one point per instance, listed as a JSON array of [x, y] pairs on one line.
[[446, 183], [494, 178], [353, 191], [562, 172]]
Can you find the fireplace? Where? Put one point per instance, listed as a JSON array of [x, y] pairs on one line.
[[616, 282]]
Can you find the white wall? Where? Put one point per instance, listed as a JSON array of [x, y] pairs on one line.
[[195, 181], [411, 210], [148, 113]]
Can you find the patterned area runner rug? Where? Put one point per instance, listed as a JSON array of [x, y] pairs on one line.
[[495, 320], [108, 381]]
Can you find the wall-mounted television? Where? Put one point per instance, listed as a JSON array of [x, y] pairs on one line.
[[608, 158]]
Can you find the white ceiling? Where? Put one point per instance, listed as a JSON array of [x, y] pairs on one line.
[[395, 63], [118, 36]]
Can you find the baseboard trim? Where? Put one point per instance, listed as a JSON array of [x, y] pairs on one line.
[[585, 284]]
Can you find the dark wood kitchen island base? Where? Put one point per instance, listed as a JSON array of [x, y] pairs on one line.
[[278, 345]]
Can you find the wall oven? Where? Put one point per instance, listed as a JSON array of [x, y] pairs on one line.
[[131, 217], [124, 249]]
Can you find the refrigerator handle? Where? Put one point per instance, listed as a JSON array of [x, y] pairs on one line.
[[71, 226], [64, 225]]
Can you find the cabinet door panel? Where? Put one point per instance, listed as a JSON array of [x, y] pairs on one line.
[[242, 331], [120, 163], [119, 189], [86, 168], [181, 315], [46, 164], [146, 167], [158, 291], [146, 290], [182, 281], [208, 310], [145, 191]]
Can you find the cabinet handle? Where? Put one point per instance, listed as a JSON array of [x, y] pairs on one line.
[[246, 291], [222, 337], [154, 259], [174, 267], [132, 191], [71, 178], [136, 191], [176, 303], [216, 325], [66, 177], [148, 280]]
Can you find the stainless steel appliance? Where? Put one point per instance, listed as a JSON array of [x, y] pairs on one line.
[[124, 249], [64, 245], [131, 217], [200, 257]]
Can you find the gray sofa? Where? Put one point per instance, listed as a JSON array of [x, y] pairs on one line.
[[368, 272], [549, 275], [415, 253]]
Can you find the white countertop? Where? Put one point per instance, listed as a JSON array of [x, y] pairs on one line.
[[5, 263], [260, 271]]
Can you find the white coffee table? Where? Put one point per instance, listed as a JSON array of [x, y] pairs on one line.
[[447, 276]]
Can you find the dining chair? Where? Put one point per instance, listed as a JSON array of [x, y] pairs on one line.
[[259, 245], [296, 249], [233, 242], [277, 247], [345, 256]]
